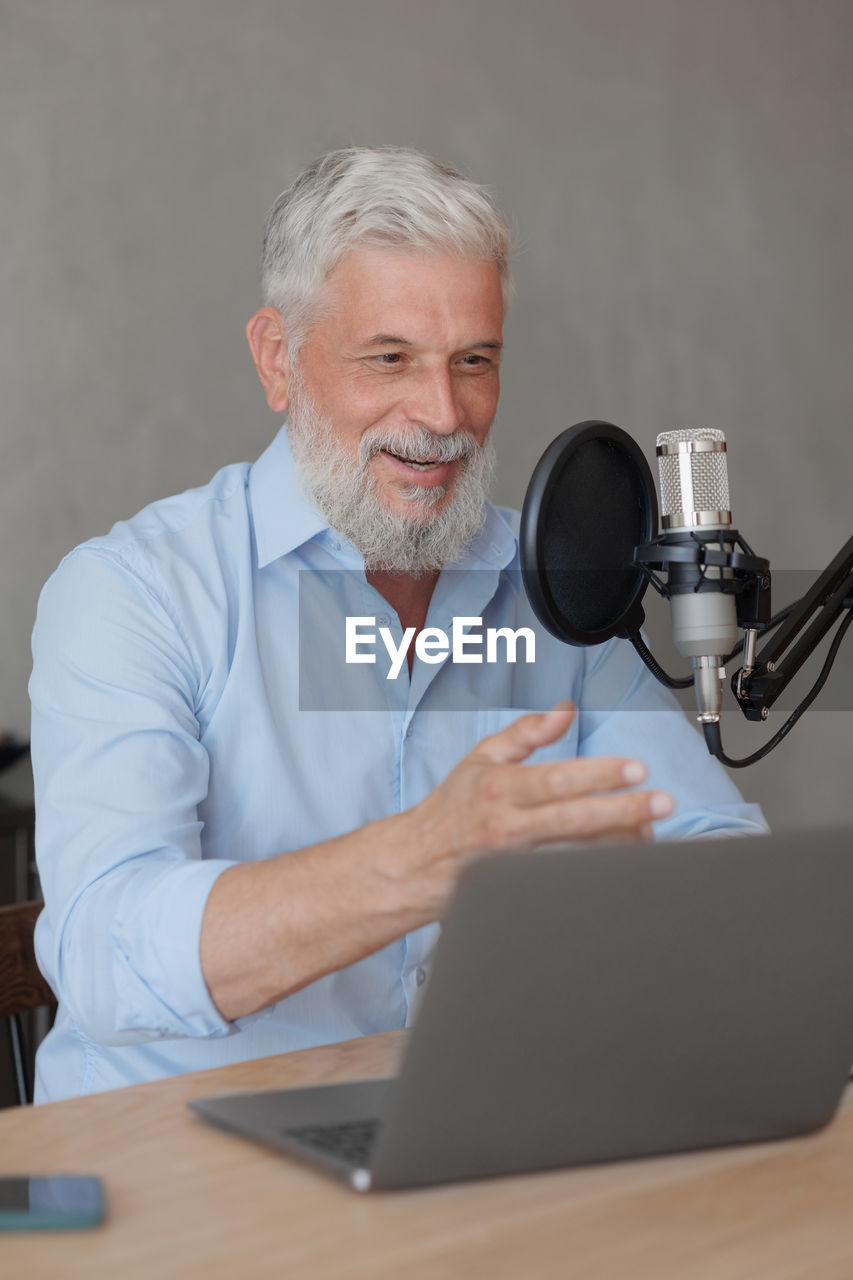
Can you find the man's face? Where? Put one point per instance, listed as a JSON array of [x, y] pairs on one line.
[[410, 345]]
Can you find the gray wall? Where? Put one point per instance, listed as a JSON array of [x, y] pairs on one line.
[[678, 172]]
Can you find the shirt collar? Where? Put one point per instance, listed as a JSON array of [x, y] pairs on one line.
[[284, 519]]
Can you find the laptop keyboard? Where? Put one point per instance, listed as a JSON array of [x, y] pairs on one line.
[[351, 1142]]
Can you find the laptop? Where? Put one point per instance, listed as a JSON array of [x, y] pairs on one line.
[[596, 1004]]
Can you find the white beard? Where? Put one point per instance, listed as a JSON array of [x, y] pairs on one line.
[[346, 492]]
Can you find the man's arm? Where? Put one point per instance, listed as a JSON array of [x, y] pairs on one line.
[[272, 927], [142, 937], [119, 772]]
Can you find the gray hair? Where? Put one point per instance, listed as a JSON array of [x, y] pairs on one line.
[[390, 196]]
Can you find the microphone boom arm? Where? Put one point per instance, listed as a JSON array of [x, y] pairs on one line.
[[757, 686]]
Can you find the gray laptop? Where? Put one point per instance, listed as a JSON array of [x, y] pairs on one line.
[[599, 1004]]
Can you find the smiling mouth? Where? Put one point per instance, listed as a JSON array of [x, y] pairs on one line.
[[420, 464]]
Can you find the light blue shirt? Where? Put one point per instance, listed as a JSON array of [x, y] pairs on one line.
[[193, 709]]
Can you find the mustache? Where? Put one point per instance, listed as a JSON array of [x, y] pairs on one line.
[[417, 444]]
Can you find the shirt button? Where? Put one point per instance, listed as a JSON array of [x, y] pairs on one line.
[[420, 976], [409, 731], [383, 620]]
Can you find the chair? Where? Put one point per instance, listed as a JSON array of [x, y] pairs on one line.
[[22, 986]]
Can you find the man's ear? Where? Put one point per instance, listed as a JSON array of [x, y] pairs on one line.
[[265, 332]]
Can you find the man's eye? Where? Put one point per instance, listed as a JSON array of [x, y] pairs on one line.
[[390, 358]]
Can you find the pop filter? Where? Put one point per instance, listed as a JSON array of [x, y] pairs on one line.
[[590, 503]]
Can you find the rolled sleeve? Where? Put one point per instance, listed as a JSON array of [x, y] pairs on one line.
[[119, 774]]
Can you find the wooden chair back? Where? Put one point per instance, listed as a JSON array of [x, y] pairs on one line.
[[22, 986]]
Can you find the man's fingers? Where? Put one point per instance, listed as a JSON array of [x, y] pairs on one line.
[[537, 784], [523, 736], [501, 801], [589, 817]]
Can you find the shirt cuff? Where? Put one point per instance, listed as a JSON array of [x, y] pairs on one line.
[[155, 931]]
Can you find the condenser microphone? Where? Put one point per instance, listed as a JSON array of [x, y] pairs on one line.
[[589, 548], [695, 510]]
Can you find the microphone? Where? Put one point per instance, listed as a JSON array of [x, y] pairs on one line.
[[589, 548], [694, 489]]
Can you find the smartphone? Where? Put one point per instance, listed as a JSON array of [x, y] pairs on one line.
[[53, 1203]]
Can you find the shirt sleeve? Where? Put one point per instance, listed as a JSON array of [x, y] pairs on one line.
[[625, 711], [119, 773]]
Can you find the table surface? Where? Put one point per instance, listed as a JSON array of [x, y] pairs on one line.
[[185, 1199]]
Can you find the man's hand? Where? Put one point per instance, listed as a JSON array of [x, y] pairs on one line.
[[493, 801], [270, 927]]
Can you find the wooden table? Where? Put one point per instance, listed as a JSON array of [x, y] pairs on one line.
[[187, 1200]]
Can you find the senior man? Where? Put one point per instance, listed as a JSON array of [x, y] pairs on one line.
[[244, 844]]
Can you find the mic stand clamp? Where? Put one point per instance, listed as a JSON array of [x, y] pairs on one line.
[[750, 640]]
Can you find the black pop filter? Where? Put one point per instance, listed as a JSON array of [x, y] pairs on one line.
[[590, 503]]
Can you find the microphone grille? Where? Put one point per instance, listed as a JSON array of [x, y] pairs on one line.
[[694, 478], [688, 435]]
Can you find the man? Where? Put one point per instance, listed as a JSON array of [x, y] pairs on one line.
[[245, 848]]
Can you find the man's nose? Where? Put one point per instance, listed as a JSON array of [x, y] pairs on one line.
[[435, 402]]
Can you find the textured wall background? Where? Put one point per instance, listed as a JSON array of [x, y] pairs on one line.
[[678, 172]]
